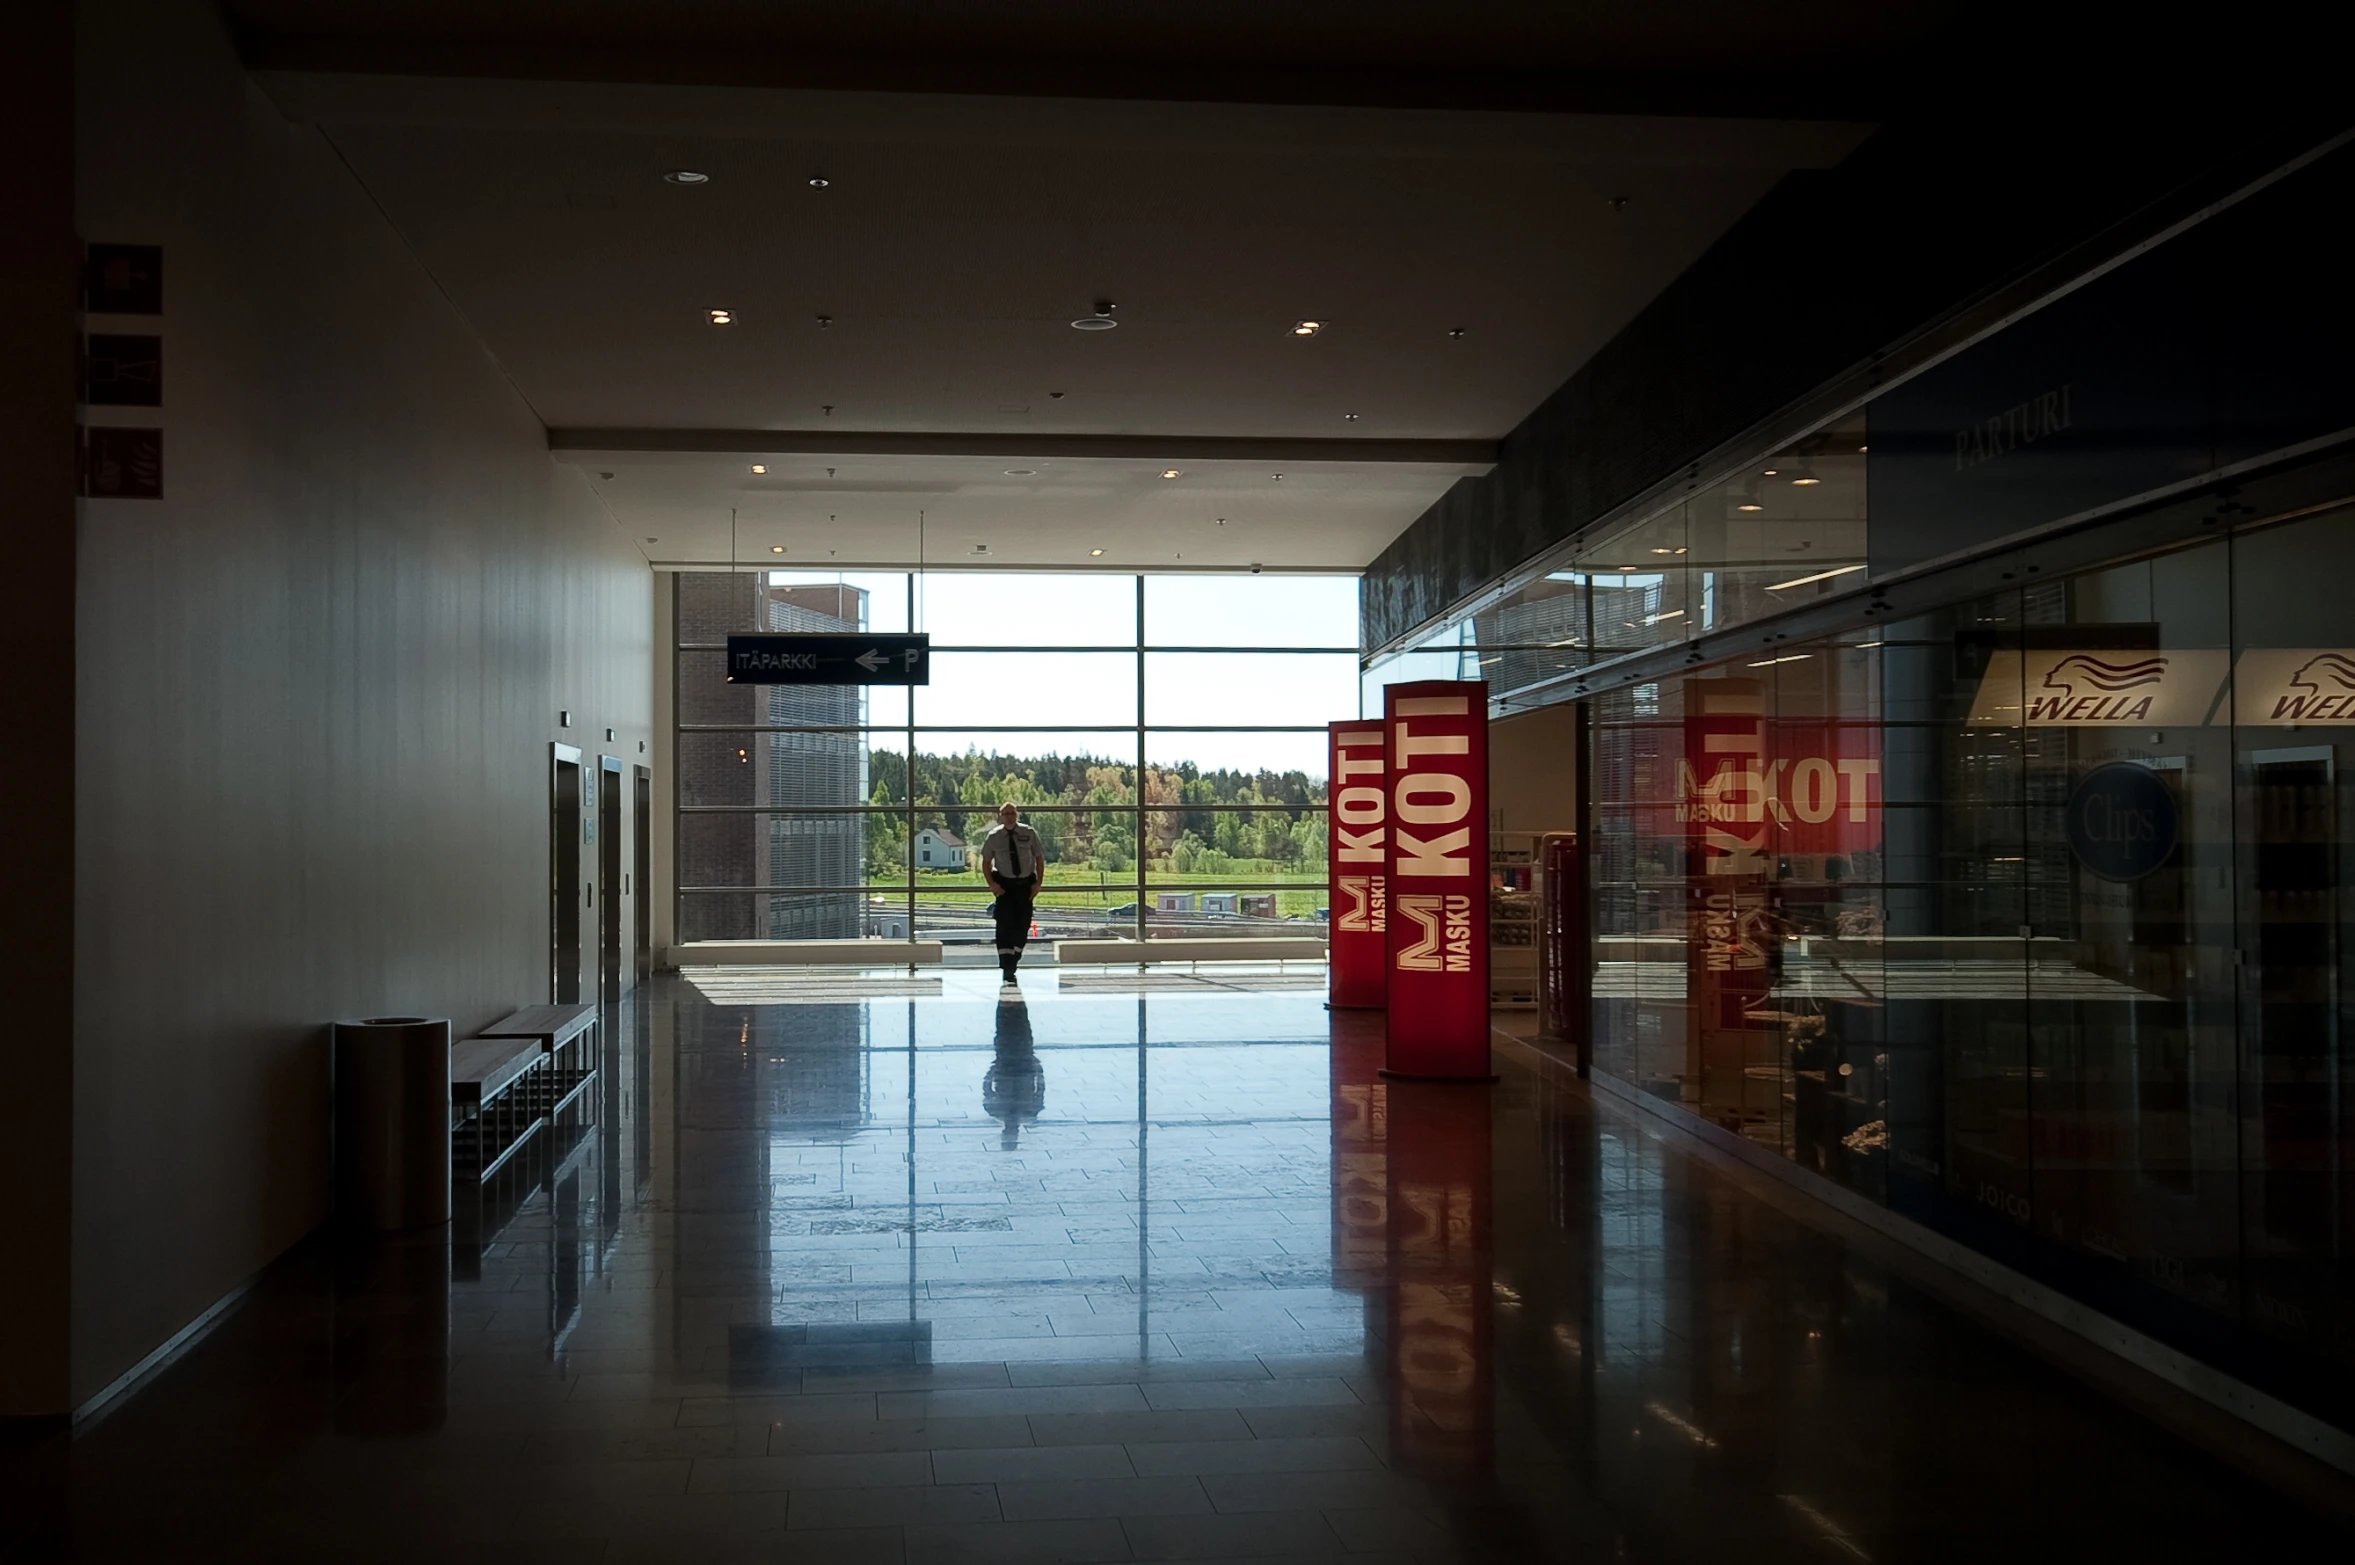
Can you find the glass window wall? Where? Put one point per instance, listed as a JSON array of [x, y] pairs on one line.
[[1787, 529], [1176, 776]]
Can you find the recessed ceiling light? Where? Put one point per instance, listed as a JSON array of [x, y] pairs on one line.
[[723, 317], [1350, 417], [1805, 482], [1279, 478], [1770, 472], [760, 467], [1021, 472], [819, 182], [1867, 643], [1307, 328], [1093, 552], [1749, 507], [1455, 331], [1668, 551], [687, 176], [1169, 472], [776, 548]]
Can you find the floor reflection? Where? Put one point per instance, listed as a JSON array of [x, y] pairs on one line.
[[830, 1273], [1014, 1092]]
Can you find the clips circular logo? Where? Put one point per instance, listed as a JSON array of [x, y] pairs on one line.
[[2122, 821]]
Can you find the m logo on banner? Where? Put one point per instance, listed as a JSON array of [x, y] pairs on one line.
[[1443, 942]]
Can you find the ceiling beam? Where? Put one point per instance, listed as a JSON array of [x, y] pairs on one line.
[[1152, 448], [1784, 93]]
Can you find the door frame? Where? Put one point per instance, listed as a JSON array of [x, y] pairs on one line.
[[642, 867], [559, 757], [609, 892]]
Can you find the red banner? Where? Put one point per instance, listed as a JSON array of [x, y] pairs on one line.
[[1438, 878], [1358, 847]]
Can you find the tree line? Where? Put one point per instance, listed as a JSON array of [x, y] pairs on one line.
[[960, 794]]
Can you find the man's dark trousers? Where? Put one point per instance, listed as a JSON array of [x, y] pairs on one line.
[[1013, 912]]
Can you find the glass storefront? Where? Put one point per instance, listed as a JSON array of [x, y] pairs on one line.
[[1965, 820], [2025, 918]]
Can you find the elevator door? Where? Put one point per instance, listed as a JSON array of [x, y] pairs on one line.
[[642, 873], [609, 897], [565, 891]]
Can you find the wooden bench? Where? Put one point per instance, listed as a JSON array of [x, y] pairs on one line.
[[568, 1035], [495, 1088]]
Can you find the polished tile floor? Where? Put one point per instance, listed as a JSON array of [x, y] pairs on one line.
[[864, 1267]]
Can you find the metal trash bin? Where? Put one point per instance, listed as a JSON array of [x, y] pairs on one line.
[[392, 1122]]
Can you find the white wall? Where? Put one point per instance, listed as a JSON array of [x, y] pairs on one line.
[[317, 682], [1532, 770]]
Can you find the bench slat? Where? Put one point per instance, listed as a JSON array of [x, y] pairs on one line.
[[482, 1068], [553, 1025]]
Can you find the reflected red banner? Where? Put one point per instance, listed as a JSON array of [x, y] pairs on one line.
[[1357, 852], [1734, 937], [1438, 878]]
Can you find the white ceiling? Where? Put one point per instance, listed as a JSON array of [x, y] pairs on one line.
[[874, 510], [956, 239]]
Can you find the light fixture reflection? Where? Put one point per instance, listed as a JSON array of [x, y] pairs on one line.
[[1801, 581]]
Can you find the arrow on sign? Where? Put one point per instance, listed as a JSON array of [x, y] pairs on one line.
[[815, 658]]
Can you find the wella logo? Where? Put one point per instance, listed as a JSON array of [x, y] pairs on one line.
[[2321, 691], [2097, 687], [2083, 688]]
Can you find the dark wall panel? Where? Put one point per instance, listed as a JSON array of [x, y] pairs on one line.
[[318, 681], [1830, 270]]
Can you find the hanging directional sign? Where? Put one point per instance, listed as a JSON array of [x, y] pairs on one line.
[[829, 660]]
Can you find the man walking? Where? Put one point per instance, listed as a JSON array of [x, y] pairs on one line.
[[1015, 865]]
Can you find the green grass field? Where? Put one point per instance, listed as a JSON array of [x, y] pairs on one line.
[[1069, 885]]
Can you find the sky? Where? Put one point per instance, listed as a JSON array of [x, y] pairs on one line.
[[1080, 688]]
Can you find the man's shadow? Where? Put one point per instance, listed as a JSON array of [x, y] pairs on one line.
[[1015, 1089]]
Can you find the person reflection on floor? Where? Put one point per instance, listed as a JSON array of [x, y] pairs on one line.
[[1015, 1089]]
